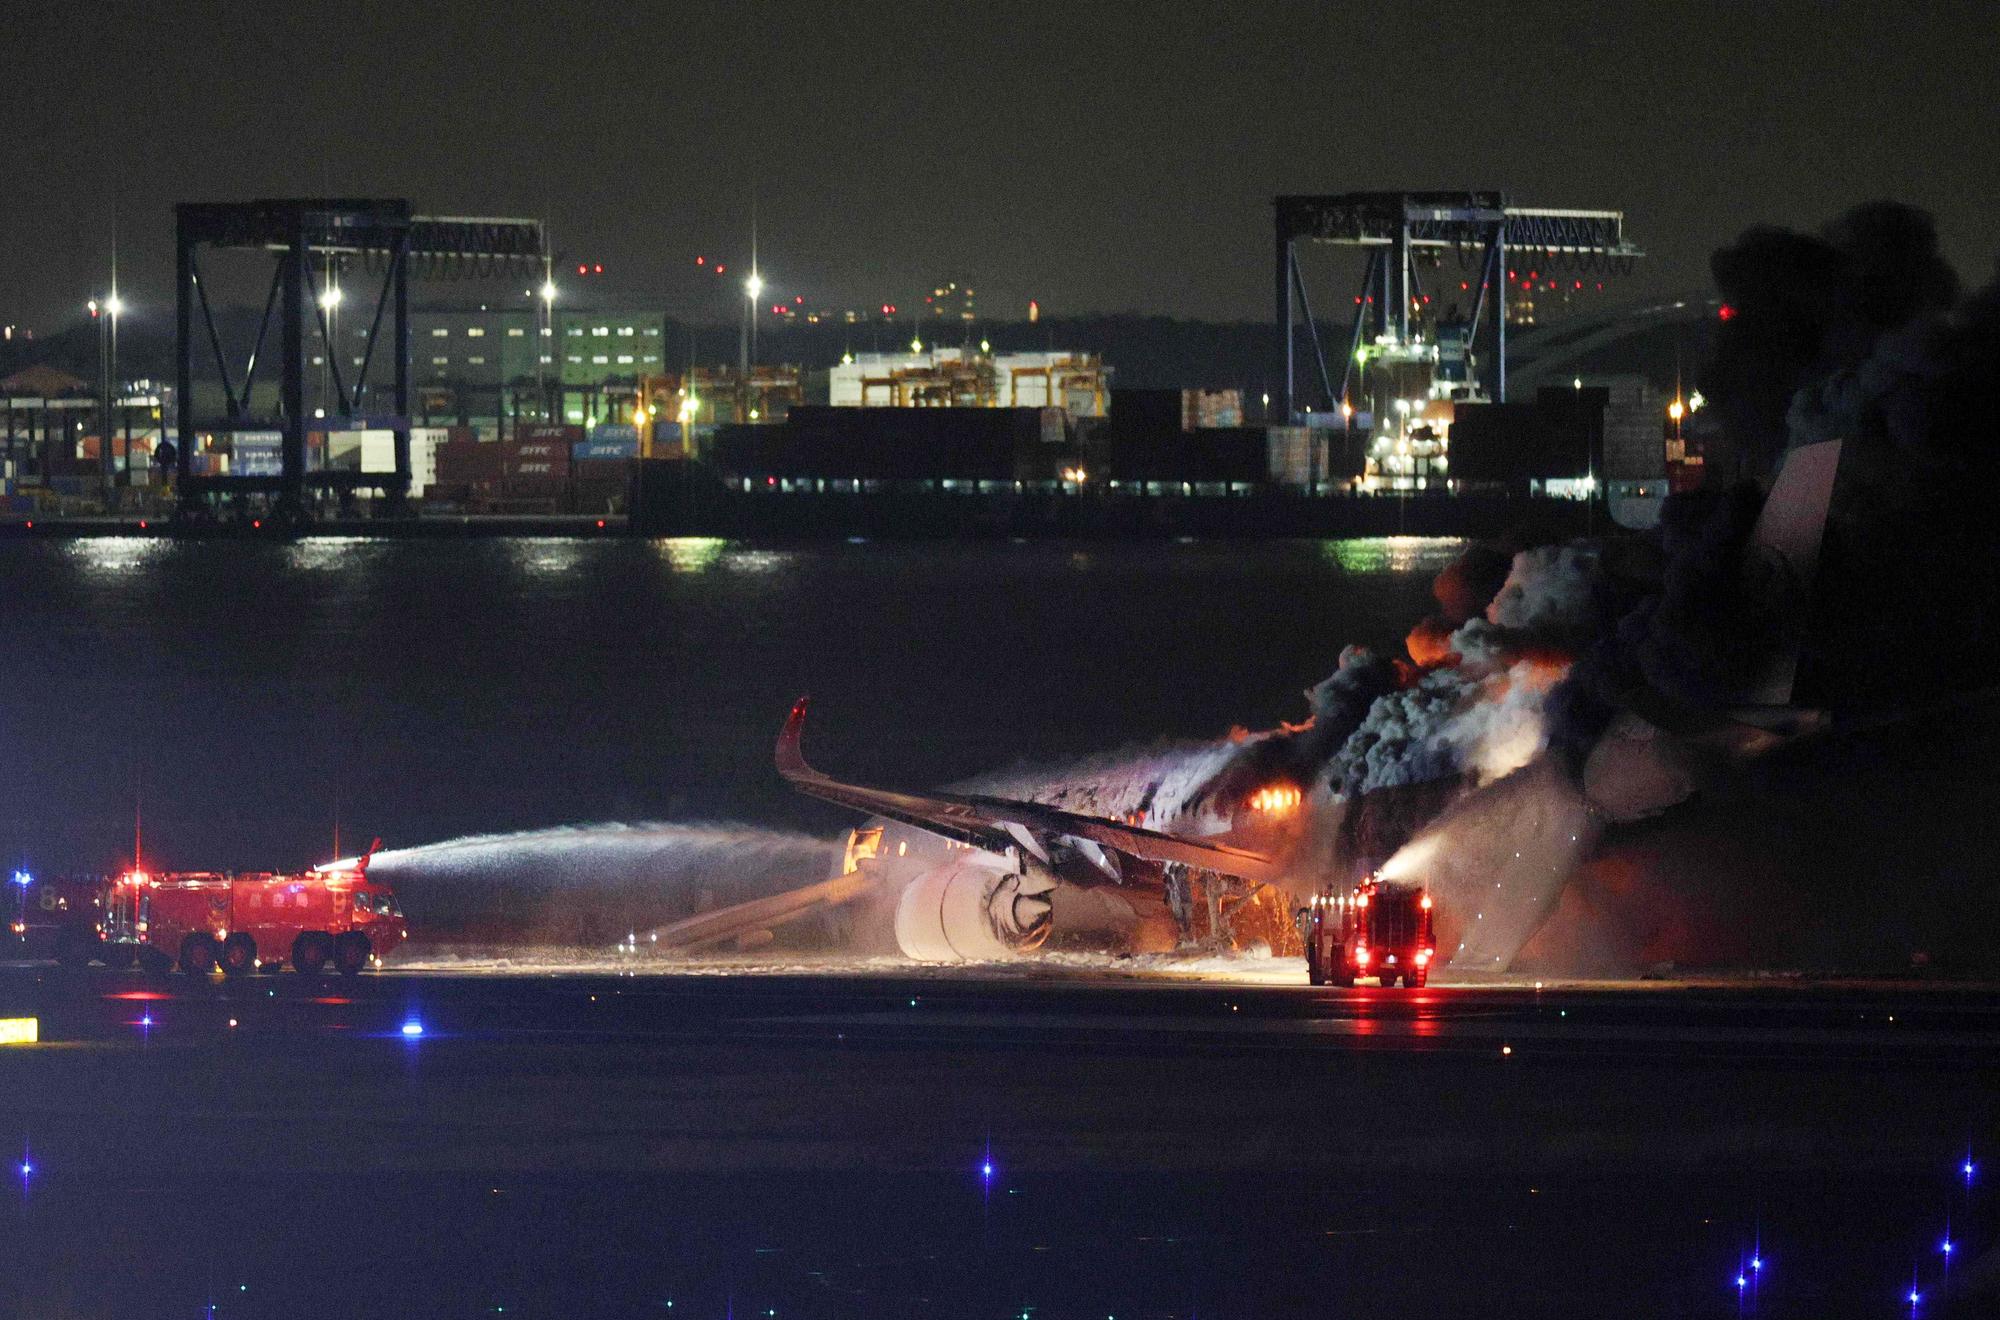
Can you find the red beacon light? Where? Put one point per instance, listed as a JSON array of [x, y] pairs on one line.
[[1725, 313]]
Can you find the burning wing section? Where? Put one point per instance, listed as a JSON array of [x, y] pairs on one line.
[[1016, 872], [997, 825]]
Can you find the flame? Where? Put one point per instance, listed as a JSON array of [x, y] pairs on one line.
[[1276, 799], [1429, 644]]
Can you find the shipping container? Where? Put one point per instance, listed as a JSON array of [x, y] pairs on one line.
[[614, 433], [536, 488], [913, 444], [460, 461], [551, 432], [599, 447], [600, 471], [1222, 454], [1297, 455], [1208, 408], [535, 457]]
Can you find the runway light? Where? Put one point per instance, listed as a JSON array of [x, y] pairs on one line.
[[1945, 1246], [1741, 1283], [23, 878], [1756, 1262], [146, 1020], [413, 1029], [1506, 1051]]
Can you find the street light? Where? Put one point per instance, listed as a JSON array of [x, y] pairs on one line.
[[753, 289], [106, 313]]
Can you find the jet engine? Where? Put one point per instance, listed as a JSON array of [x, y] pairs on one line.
[[976, 907]]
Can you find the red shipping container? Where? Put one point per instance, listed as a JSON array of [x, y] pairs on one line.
[[535, 488], [468, 461], [535, 458], [601, 471]]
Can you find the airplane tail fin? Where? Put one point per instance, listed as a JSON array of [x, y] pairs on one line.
[[1788, 536]]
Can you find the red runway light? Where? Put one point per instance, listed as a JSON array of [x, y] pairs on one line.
[[140, 994], [1725, 313]]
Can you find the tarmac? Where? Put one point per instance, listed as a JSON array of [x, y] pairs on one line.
[[870, 1142]]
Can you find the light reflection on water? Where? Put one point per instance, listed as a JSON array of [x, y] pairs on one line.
[[690, 554], [1394, 554], [546, 556], [323, 553], [116, 556]]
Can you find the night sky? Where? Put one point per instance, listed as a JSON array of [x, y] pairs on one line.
[[1099, 157]]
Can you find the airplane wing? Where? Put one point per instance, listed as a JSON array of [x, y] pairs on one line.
[[995, 824]]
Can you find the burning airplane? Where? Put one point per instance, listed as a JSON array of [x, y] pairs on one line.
[[1710, 743]]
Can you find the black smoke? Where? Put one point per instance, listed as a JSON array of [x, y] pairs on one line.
[[1858, 333]]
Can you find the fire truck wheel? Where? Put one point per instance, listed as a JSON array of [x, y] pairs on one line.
[[156, 962], [73, 947], [310, 952], [239, 955], [1415, 980], [199, 955], [120, 956], [350, 953]]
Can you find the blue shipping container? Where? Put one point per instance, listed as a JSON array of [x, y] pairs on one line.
[[599, 447]]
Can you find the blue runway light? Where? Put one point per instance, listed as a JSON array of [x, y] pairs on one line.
[[1945, 1246], [413, 1029], [146, 1020], [1742, 1282], [23, 879], [1756, 1262]]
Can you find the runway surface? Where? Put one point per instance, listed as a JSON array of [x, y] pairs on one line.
[[573, 1144]]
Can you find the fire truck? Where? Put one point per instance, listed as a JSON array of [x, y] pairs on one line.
[[63, 918], [1378, 928], [199, 921]]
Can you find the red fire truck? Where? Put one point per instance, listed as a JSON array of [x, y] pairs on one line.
[[199, 921], [63, 918], [1379, 928]]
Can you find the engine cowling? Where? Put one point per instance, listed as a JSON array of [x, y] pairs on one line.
[[975, 908]]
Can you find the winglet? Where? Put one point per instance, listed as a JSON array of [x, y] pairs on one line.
[[791, 761]]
